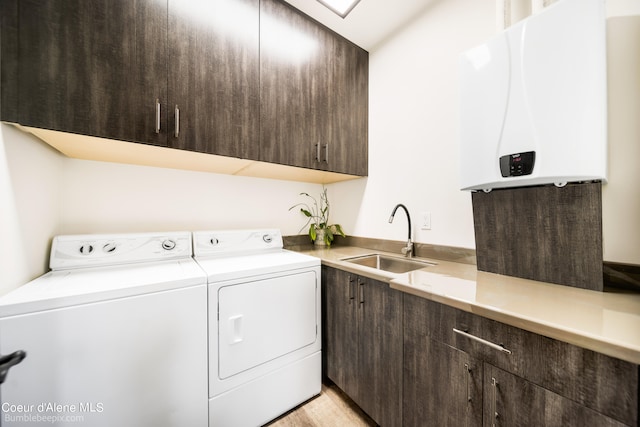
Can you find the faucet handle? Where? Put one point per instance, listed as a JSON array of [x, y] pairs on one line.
[[408, 250]]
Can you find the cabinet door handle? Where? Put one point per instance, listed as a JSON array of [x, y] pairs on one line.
[[467, 370], [326, 153], [361, 290], [352, 295], [494, 386], [157, 115], [177, 121], [480, 340], [318, 152]]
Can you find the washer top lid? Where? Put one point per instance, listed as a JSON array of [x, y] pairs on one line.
[[93, 250], [226, 243], [65, 288]]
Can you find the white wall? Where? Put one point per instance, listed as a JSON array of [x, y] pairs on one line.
[[108, 197], [621, 196], [413, 129], [413, 157], [43, 194], [30, 173]]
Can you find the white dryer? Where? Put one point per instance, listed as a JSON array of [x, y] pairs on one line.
[[114, 335], [264, 325]]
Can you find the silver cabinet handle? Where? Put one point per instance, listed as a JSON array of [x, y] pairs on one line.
[[467, 371], [317, 152], [480, 340], [352, 296], [494, 386], [326, 153], [157, 115], [177, 121], [361, 287]]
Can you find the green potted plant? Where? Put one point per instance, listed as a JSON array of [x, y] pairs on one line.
[[320, 231]]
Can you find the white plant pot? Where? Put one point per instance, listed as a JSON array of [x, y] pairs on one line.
[[319, 237]]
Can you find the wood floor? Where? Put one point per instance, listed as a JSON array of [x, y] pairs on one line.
[[331, 408]]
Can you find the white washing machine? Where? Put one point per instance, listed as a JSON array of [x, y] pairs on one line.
[[264, 325], [114, 335]]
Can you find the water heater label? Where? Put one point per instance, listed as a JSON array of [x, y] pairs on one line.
[[517, 164]]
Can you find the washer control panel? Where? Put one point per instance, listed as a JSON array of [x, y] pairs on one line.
[[79, 251]]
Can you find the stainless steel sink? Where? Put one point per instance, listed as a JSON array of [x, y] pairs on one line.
[[388, 263]]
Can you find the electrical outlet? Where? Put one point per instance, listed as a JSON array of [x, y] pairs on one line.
[[425, 220]]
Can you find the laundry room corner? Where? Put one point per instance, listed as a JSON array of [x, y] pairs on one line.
[[29, 205], [44, 193]]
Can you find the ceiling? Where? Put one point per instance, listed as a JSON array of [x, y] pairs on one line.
[[370, 22]]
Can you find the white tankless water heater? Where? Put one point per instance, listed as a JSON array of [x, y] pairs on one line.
[[534, 101]]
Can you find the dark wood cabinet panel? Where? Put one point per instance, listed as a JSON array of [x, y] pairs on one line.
[[9, 60], [346, 149], [442, 385], [167, 74], [213, 75], [381, 350], [542, 233], [513, 401], [340, 329], [293, 93], [314, 94], [93, 67], [363, 342], [250, 79], [603, 384]]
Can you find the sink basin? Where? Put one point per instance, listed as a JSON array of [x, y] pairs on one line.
[[388, 263]]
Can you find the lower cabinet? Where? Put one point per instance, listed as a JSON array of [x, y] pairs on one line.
[[442, 386], [409, 361], [491, 374], [363, 342], [513, 401]]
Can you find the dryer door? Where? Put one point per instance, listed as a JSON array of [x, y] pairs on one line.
[[261, 320]]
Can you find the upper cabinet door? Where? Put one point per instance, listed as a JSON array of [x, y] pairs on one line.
[[314, 93], [214, 76], [346, 149], [294, 71], [94, 67]]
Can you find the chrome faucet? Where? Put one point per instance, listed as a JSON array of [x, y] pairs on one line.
[[407, 250]]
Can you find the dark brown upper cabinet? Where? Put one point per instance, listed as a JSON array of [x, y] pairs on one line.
[[346, 150], [314, 94], [182, 74], [250, 79], [9, 60], [214, 79], [93, 67]]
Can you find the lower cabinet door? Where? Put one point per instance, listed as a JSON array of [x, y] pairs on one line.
[[380, 352], [512, 401], [340, 329], [442, 385], [363, 342]]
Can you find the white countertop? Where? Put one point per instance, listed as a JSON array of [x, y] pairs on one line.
[[605, 322]]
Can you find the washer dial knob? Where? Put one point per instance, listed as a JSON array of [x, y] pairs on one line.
[[168, 245], [86, 249], [268, 238]]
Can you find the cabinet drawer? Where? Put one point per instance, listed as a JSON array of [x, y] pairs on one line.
[[602, 383]]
